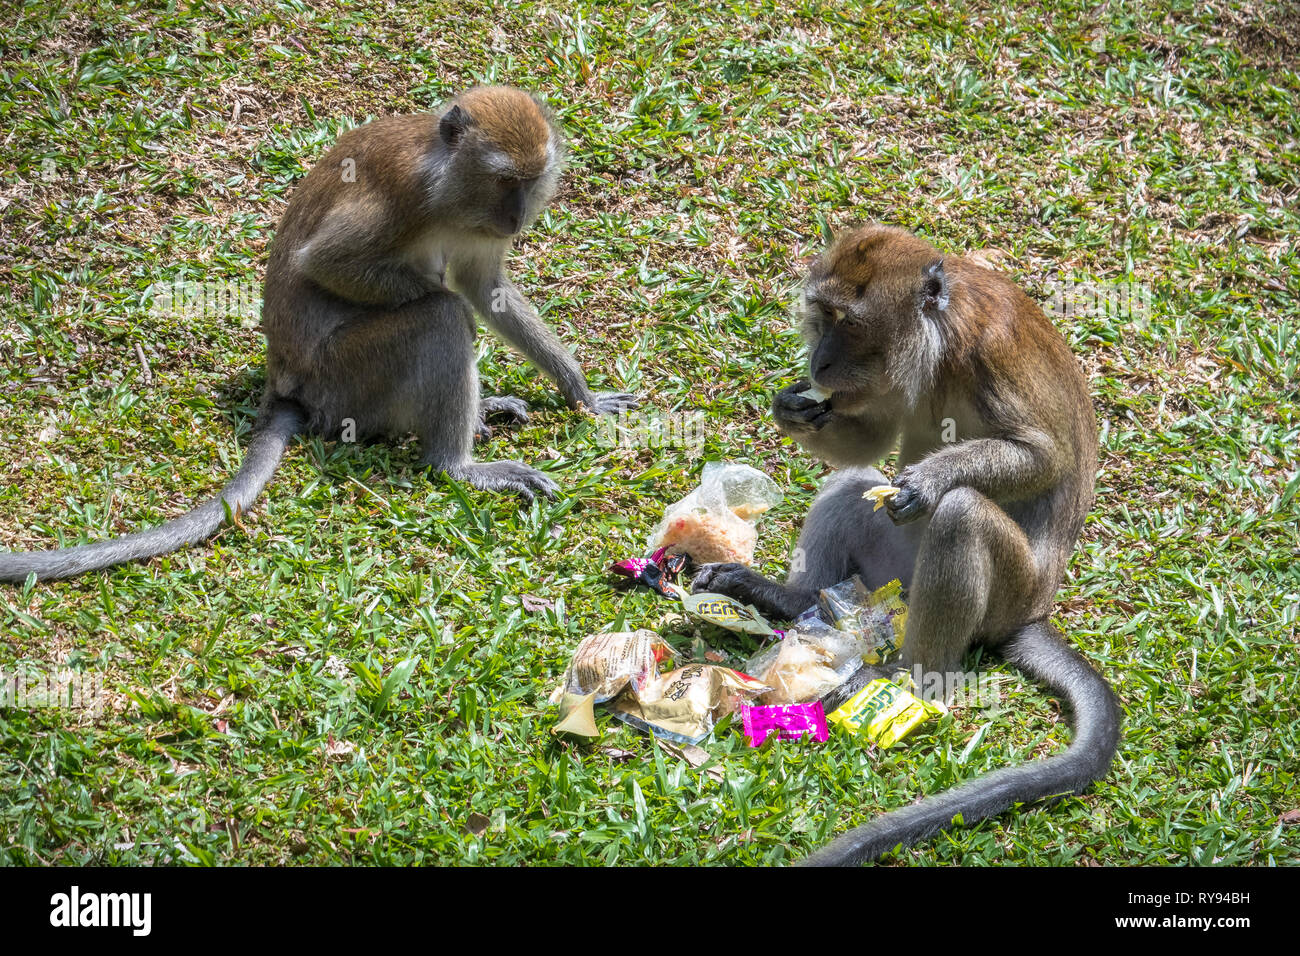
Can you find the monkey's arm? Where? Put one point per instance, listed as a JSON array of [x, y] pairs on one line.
[[506, 312], [347, 256], [836, 438], [1013, 468]]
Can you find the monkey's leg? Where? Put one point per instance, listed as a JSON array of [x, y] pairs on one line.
[[414, 369], [976, 578], [843, 536]]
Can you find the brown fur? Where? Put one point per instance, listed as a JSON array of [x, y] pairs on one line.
[[997, 450], [514, 121]]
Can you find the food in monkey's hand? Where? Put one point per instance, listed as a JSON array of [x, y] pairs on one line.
[[815, 393], [880, 494]]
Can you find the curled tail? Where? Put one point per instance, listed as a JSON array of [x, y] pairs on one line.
[[1039, 650], [276, 426]]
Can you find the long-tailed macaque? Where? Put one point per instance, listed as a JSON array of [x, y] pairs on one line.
[[389, 247], [997, 455]]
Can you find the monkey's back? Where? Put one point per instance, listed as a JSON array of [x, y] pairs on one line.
[[364, 177], [1039, 384]]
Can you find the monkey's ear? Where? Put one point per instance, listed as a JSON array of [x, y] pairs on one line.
[[934, 290], [453, 124]]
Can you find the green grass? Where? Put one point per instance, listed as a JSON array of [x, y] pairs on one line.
[[352, 677]]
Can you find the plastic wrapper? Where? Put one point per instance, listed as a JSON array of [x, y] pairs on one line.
[[685, 704], [606, 663], [715, 522], [877, 618], [726, 612], [811, 661], [884, 712], [655, 572], [788, 723], [577, 716]]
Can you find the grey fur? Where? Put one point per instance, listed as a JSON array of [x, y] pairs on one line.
[[277, 424]]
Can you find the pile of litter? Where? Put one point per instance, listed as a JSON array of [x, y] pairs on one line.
[[637, 676]]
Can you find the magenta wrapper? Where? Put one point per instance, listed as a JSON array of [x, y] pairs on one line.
[[790, 722]]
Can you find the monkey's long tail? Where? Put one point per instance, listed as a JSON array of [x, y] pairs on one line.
[[275, 428], [1041, 652]]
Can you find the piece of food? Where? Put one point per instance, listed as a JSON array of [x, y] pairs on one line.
[[880, 494], [711, 536], [816, 393]]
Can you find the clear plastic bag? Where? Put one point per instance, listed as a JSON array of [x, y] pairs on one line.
[[715, 522], [810, 662], [878, 618]]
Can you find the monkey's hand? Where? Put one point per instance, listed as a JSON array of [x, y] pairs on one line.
[[919, 494], [749, 587], [514, 411], [610, 403], [797, 414], [731, 579]]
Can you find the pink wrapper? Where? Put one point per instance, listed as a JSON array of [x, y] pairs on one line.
[[790, 721]]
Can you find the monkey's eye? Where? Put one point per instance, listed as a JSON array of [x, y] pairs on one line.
[[508, 183]]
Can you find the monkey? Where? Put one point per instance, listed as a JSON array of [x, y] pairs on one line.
[[916, 347], [388, 248]]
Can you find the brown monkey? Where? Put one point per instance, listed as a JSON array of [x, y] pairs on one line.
[[998, 453], [388, 248]]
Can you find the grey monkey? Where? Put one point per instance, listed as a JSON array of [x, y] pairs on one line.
[[388, 248]]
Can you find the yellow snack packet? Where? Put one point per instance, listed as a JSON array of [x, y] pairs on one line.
[[884, 711]]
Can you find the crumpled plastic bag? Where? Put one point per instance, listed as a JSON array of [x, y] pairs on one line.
[[715, 522], [685, 704], [607, 662], [810, 662]]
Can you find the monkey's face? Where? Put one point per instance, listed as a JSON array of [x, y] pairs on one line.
[[501, 199], [860, 314], [506, 157], [845, 354]]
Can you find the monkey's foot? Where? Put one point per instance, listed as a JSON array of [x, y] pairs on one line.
[[509, 476], [747, 585], [611, 403], [512, 411]]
